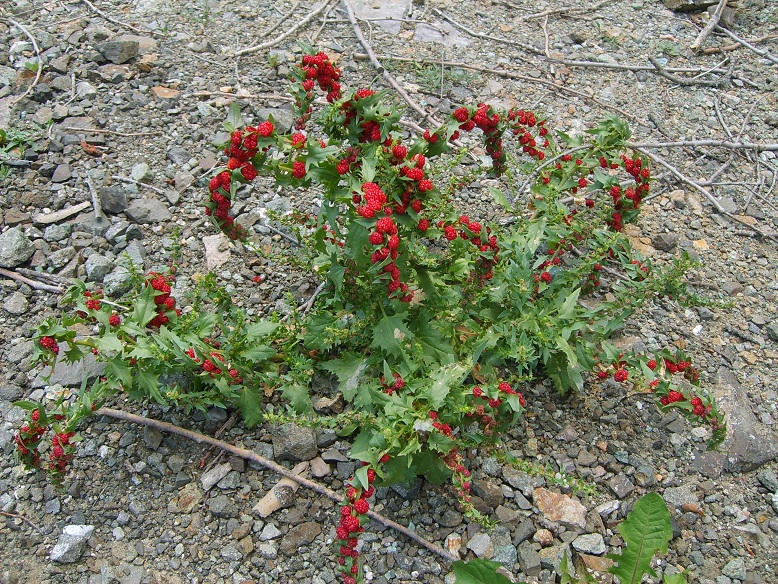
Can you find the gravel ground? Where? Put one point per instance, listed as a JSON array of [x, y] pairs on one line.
[[147, 84]]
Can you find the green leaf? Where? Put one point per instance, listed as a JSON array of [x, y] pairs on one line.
[[478, 571], [646, 531], [443, 380], [390, 334], [297, 396], [674, 579], [568, 306], [27, 405], [348, 369], [234, 118], [500, 198], [249, 403], [261, 329], [258, 353]]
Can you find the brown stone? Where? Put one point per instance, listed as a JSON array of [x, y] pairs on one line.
[[560, 508]]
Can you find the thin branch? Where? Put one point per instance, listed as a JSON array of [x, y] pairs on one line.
[[120, 23], [712, 22], [31, 283], [685, 82], [754, 146], [762, 53], [23, 518], [525, 46], [283, 19], [735, 46], [628, 67], [682, 177], [384, 72], [281, 38], [272, 466], [512, 75], [137, 182], [37, 55]]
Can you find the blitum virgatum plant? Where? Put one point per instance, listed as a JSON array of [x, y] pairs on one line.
[[430, 323]]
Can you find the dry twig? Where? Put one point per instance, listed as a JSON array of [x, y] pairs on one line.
[[735, 46], [23, 518], [120, 23], [685, 82], [31, 283], [525, 46], [762, 53], [37, 55], [753, 146], [281, 38], [272, 466], [112, 132], [384, 72], [714, 20]]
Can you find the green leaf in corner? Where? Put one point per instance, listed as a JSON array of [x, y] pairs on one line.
[[674, 579], [443, 380], [646, 531], [478, 572], [348, 369]]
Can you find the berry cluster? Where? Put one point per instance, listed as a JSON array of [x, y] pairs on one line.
[[480, 237], [165, 303], [30, 435], [49, 343], [682, 367], [370, 129], [489, 422], [520, 122], [243, 147], [396, 384], [460, 477], [350, 526], [315, 69]]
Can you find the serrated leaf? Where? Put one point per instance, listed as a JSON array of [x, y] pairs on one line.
[[568, 306], [348, 369], [390, 334], [297, 396], [258, 353], [249, 403], [645, 531], [443, 380], [478, 571], [261, 329]]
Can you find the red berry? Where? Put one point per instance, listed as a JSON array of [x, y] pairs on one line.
[[265, 129], [114, 320]]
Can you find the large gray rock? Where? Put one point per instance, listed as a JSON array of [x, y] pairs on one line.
[[147, 210], [70, 374], [749, 444], [97, 267], [71, 543], [15, 248], [295, 443], [118, 51]]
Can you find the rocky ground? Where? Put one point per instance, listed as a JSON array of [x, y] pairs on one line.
[[129, 99]]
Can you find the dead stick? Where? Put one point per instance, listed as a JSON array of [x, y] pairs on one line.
[[23, 518], [685, 82], [764, 54], [682, 177], [120, 23], [512, 75], [755, 146], [714, 20], [735, 46], [218, 434], [270, 465], [137, 182], [384, 72], [525, 46], [31, 283], [38, 56], [279, 39]]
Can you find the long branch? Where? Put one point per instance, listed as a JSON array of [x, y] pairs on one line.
[[384, 72], [38, 56], [270, 465], [271, 43], [754, 146]]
